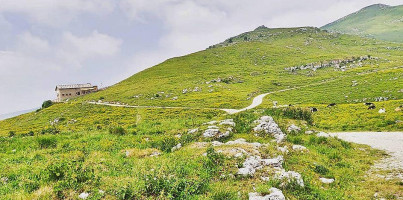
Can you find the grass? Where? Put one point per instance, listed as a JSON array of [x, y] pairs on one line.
[[73, 147], [375, 21]]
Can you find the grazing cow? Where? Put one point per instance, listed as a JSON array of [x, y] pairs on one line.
[[369, 104], [371, 107], [331, 105], [314, 109]]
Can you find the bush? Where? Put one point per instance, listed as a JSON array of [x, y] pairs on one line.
[[70, 174], [47, 104], [47, 142], [117, 130], [165, 144], [11, 134], [224, 195], [321, 170], [214, 160]]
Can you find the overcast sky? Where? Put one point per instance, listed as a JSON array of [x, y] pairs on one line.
[[48, 42]]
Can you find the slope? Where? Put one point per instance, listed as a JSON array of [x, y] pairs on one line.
[[377, 21]]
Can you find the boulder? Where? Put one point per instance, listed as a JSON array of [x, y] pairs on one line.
[[211, 133], [268, 125], [274, 162], [229, 122], [288, 177], [326, 180], [192, 131], [177, 147], [83, 195], [275, 194], [299, 148], [322, 134], [293, 128]]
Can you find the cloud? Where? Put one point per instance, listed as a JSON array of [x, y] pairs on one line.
[[55, 12], [35, 66], [74, 48]]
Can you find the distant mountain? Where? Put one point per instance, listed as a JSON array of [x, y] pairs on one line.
[[13, 114], [376, 21]]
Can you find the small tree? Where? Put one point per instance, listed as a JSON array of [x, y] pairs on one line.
[[47, 104]]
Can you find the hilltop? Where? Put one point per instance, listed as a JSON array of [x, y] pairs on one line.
[[376, 21]]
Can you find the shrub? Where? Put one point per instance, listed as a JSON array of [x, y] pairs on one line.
[[47, 142], [224, 195], [321, 170], [117, 130], [165, 144], [11, 134], [47, 104], [70, 174], [213, 161]]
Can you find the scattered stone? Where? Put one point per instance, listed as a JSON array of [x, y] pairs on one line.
[[268, 125], [322, 134], [283, 150], [211, 133], [184, 91], [216, 143], [254, 163], [275, 194], [274, 162], [83, 195], [326, 180], [192, 131], [229, 122], [288, 177], [211, 123], [4, 180], [197, 89], [265, 178], [177, 147], [382, 110], [293, 128], [174, 98], [101, 192], [299, 148], [309, 132], [213, 127]]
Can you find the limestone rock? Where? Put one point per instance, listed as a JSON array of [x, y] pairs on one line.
[[326, 180], [275, 194], [293, 128], [288, 177], [83, 195], [322, 134], [268, 125], [299, 148]]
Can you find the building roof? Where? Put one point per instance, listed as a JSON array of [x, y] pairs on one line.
[[73, 86]]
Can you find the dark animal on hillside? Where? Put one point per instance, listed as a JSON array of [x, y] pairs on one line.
[[371, 107], [369, 104], [290, 105], [331, 105], [314, 110]]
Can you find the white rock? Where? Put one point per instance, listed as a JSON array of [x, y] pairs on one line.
[[326, 180], [211, 133], [283, 149], [288, 177], [192, 131], [274, 162], [382, 110], [275, 194], [213, 127], [229, 122], [212, 123], [83, 195], [263, 178], [299, 148], [246, 171], [309, 132], [293, 128], [268, 125], [322, 134], [101, 192], [216, 143], [177, 147]]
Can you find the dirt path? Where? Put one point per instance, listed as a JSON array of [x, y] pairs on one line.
[[391, 142]]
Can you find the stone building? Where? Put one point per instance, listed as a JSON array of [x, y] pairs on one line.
[[64, 92]]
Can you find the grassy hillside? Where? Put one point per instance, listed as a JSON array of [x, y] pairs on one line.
[[376, 21], [76, 147]]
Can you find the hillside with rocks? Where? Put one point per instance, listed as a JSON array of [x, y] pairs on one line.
[[166, 133]]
